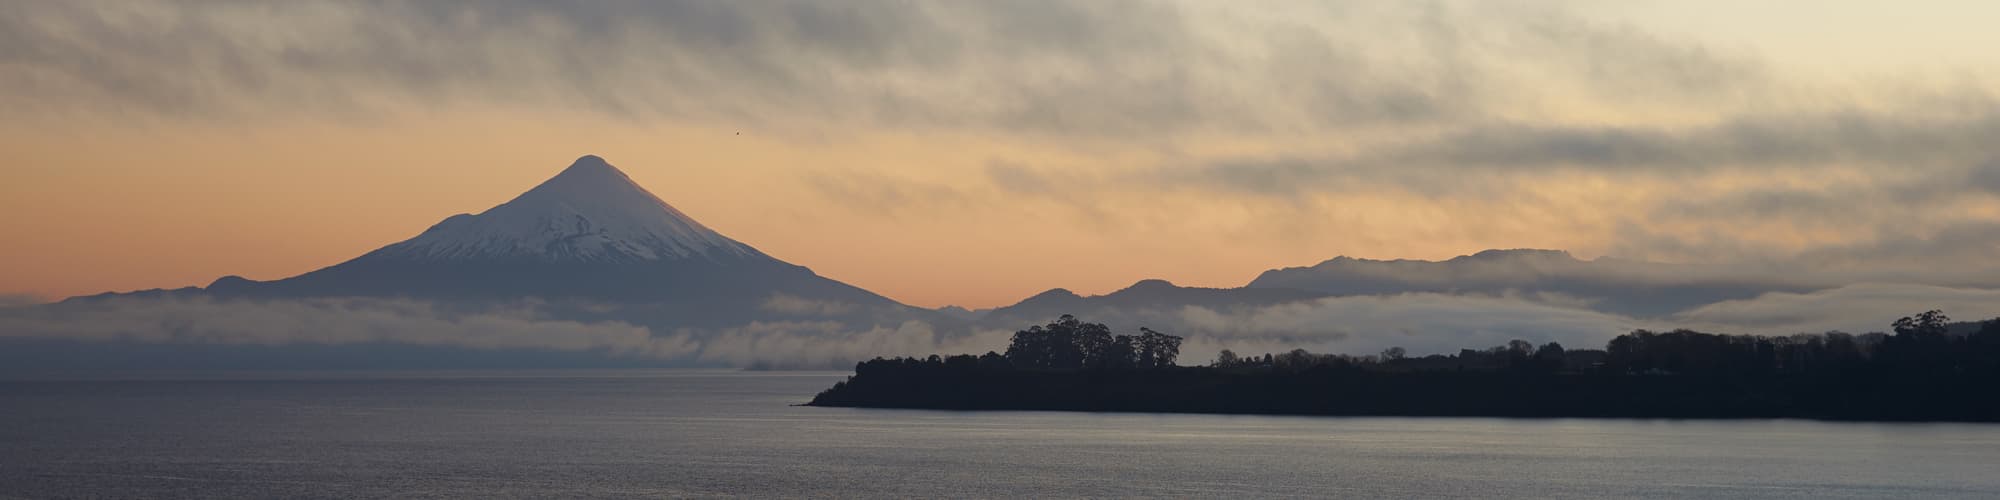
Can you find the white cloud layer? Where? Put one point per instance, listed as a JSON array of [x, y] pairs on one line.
[[331, 322], [804, 345], [1855, 309], [1422, 323]]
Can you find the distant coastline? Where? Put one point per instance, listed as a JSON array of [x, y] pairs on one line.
[[1920, 373]]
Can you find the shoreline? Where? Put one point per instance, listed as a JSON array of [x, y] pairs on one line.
[[810, 404], [1360, 393]]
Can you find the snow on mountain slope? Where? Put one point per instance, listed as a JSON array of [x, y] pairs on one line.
[[588, 235], [591, 212]]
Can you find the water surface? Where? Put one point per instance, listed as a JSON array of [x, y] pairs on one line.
[[704, 433]]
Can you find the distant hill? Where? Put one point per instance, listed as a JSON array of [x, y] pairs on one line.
[[1145, 295], [1632, 288], [1625, 287]]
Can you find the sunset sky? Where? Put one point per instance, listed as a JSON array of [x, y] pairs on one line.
[[977, 153]]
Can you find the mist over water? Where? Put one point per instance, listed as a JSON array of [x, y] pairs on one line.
[[715, 433]]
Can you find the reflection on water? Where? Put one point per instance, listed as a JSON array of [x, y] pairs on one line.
[[702, 433]]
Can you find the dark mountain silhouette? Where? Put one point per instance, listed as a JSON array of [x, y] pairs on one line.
[[962, 313], [1633, 288], [1627, 287], [1151, 294]]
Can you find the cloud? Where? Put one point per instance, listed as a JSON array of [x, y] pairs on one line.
[[1430, 323], [521, 326], [1874, 187], [1948, 253], [1015, 178], [20, 299], [1500, 123], [1955, 146], [1048, 68], [1421, 323], [832, 345], [332, 322], [798, 306], [1855, 309], [882, 194]]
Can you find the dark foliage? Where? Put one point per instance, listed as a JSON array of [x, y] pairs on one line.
[[1922, 372], [1069, 343]]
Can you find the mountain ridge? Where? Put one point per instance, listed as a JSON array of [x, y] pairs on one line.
[[1151, 293], [1633, 288], [590, 234]]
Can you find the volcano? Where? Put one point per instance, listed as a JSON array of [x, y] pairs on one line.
[[589, 238]]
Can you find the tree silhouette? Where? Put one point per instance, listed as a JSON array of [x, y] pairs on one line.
[[1070, 343], [1227, 358], [1928, 324], [1157, 350], [1930, 369], [1123, 352], [1394, 353]]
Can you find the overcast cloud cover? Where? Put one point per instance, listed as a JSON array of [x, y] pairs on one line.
[[1388, 126], [1619, 139]]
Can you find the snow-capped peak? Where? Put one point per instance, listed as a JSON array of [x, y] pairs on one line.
[[590, 212]]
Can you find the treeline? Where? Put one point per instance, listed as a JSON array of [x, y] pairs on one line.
[[1921, 344], [1070, 343], [1516, 355], [1065, 344], [1920, 372]]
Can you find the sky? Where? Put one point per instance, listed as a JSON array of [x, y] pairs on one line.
[[975, 153]]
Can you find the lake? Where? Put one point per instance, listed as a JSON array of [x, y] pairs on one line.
[[714, 433]]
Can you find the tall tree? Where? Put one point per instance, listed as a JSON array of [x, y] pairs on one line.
[[1928, 324], [1157, 350], [1065, 343]]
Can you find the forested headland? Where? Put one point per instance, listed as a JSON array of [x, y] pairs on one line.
[[1926, 370]]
